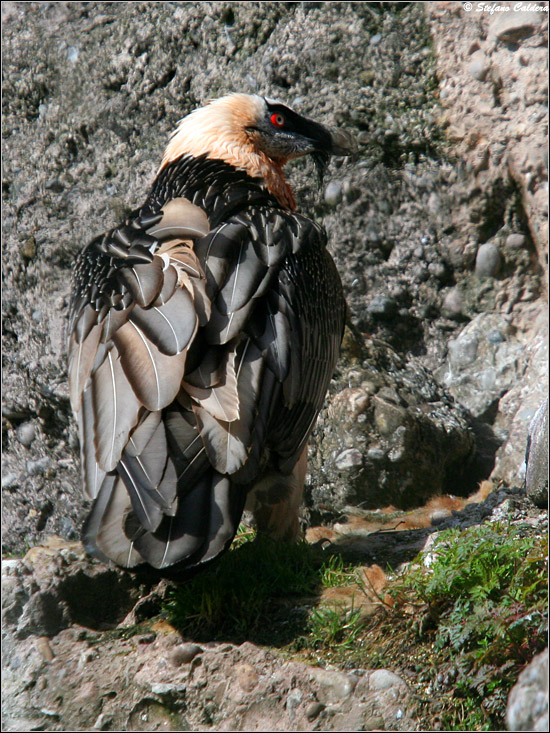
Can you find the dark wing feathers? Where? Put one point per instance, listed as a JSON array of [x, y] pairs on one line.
[[199, 352]]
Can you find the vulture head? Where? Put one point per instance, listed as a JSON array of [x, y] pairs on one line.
[[257, 135]]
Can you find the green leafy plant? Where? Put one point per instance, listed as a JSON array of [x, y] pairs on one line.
[[481, 599]]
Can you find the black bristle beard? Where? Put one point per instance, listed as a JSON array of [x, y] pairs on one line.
[[321, 160]]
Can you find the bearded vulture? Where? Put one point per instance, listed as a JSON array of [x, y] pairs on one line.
[[204, 331]]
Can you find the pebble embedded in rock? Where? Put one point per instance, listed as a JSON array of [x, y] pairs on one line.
[[437, 269], [479, 66], [314, 709], [515, 241], [382, 307], [375, 454], [247, 677], [387, 417], [349, 459], [496, 336], [333, 193], [26, 433], [372, 233], [28, 248], [35, 468], [453, 303], [333, 686], [9, 480], [184, 653], [463, 350], [487, 260], [513, 27]]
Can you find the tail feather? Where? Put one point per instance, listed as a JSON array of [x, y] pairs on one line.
[[104, 531], [164, 504]]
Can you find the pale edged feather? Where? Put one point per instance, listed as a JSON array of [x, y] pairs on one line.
[[220, 398], [144, 281], [148, 512], [243, 280], [169, 285], [92, 522], [92, 474], [155, 377], [170, 326], [182, 257], [203, 304], [110, 537], [222, 328], [143, 432], [116, 410], [81, 360], [217, 253], [227, 503], [227, 443], [210, 370], [113, 321], [180, 536], [149, 468], [85, 321], [180, 218], [271, 332]]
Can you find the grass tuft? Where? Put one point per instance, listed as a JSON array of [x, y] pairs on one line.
[[464, 620]]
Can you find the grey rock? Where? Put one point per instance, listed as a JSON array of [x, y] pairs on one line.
[[314, 709], [524, 394], [382, 307], [527, 707], [413, 438], [463, 350], [388, 417], [382, 679], [536, 458], [487, 260], [9, 480], [437, 269], [481, 368], [55, 586], [515, 26], [496, 336], [333, 686], [38, 467]]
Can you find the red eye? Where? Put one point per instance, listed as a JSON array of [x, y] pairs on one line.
[[277, 119]]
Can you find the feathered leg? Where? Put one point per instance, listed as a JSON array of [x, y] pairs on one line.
[[275, 502]]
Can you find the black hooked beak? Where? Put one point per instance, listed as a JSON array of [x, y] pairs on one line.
[[331, 142]]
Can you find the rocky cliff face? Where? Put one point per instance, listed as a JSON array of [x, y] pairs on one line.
[[438, 228]]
